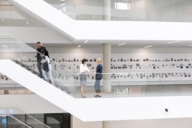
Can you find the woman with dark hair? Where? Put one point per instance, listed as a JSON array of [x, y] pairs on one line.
[[47, 67], [83, 78]]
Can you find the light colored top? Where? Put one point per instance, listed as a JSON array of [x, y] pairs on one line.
[[46, 59], [83, 68]]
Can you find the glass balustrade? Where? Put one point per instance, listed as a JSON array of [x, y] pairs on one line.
[[12, 122], [15, 118], [9, 86], [12, 16], [25, 56], [13, 88], [129, 83], [126, 10]]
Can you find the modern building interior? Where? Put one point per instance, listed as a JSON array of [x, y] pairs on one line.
[[95, 63]]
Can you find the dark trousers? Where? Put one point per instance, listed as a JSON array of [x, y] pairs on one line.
[[97, 86], [39, 68]]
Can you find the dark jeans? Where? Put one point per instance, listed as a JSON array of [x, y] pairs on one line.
[[97, 86], [39, 68]]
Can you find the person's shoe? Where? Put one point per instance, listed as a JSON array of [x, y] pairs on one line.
[[99, 95], [52, 83], [83, 96], [96, 95]]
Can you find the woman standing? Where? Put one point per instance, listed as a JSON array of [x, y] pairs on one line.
[[83, 78], [47, 67]]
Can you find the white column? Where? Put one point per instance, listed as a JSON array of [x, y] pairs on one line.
[[106, 67], [106, 50], [106, 9], [106, 124]]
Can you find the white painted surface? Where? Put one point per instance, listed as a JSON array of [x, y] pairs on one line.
[[77, 123], [164, 123], [107, 30], [37, 85], [28, 103], [104, 109], [34, 34]]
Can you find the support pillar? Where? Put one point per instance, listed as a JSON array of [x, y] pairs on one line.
[[106, 67], [106, 50], [105, 124], [106, 9]]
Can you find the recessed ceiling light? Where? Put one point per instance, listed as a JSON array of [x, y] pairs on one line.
[[27, 22], [63, 4], [171, 42], [4, 46], [62, 0], [2, 19], [86, 41], [121, 44], [79, 46], [148, 46]]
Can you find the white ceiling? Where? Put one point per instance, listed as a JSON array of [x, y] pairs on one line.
[[128, 44]]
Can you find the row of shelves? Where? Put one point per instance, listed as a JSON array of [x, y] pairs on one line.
[[117, 61]]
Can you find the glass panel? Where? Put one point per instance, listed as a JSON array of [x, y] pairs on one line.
[[3, 122], [15, 117], [11, 16], [150, 82], [54, 121], [127, 10], [13, 122], [9, 87], [65, 7], [25, 56], [31, 121]]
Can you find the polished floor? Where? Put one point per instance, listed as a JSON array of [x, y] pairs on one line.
[[141, 91], [125, 91]]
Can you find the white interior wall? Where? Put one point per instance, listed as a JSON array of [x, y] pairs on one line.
[[77, 123], [115, 49], [163, 123], [28, 103]]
